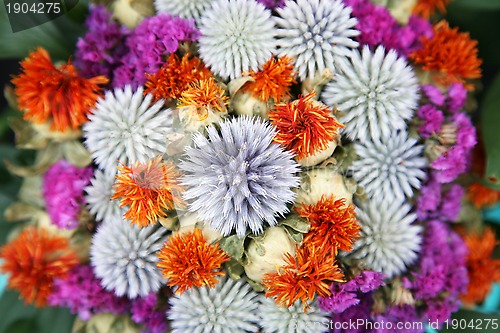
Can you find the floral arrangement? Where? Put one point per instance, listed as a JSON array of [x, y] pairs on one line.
[[253, 166]]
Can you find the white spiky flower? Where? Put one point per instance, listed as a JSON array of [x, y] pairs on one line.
[[125, 126], [236, 36], [316, 33], [124, 257], [391, 168], [230, 307], [389, 240], [377, 91], [98, 197], [188, 9], [280, 319]]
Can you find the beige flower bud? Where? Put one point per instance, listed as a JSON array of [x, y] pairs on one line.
[[401, 10], [319, 156], [132, 12], [192, 122], [323, 181], [108, 323], [246, 104], [189, 222]]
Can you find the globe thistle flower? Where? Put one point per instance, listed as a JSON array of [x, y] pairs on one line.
[[391, 168], [316, 33], [278, 319], [231, 306], [33, 260], [148, 190], [125, 127], [238, 179], [188, 261], [187, 9], [376, 91], [236, 36], [124, 257], [98, 197], [389, 240], [58, 95]]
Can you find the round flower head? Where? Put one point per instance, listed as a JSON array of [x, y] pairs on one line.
[[279, 319], [237, 36], [188, 9], [124, 257], [230, 307], [389, 241], [125, 127], [390, 168], [238, 178], [316, 33], [376, 91], [99, 194]]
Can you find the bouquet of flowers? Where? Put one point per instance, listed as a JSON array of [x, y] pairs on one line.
[[252, 166]]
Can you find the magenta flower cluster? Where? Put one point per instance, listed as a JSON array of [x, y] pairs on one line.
[[147, 312]]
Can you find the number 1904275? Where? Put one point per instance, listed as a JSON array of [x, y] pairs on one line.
[[34, 8]]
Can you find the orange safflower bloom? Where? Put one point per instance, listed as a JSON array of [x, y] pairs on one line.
[[148, 189], [175, 76], [304, 276], [333, 224], [427, 8], [33, 260], [451, 54], [305, 126], [482, 196], [188, 261], [482, 269], [202, 97], [56, 94], [273, 81]]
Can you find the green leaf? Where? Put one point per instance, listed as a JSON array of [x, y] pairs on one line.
[[22, 326], [490, 119], [477, 4], [233, 245]]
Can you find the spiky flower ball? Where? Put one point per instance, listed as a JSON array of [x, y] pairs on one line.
[[99, 194], [238, 179], [390, 241], [231, 306], [187, 9], [124, 257], [237, 36], [377, 91], [390, 169], [126, 127], [316, 33]]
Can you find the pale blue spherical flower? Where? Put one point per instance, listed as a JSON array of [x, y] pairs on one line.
[[124, 257], [230, 307], [236, 36], [98, 197], [280, 319], [187, 9], [237, 178], [316, 33], [377, 91], [125, 126]]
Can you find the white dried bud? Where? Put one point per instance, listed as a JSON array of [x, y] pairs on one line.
[[323, 182]]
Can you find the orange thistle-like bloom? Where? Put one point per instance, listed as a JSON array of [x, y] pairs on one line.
[[450, 53], [482, 196], [333, 224], [202, 97], [175, 76], [189, 261], [148, 189], [427, 8], [303, 277], [273, 81], [305, 126], [33, 260], [57, 94], [482, 269]]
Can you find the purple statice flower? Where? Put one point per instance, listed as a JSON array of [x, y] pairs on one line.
[[429, 282], [368, 281], [433, 94], [432, 120], [429, 199], [100, 50], [452, 203], [440, 311], [146, 311], [436, 202], [62, 189], [410, 36], [272, 4], [394, 315], [450, 164], [360, 312], [83, 294], [457, 94], [466, 132], [149, 46]]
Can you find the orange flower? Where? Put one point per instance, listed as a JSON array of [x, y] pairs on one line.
[[175, 76], [47, 93], [188, 260], [33, 260], [273, 81], [303, 277], [427, 8], [482, 269], [333, 224], [203, 97], [450, 53], [304, 126], [482, 196], [148, 190]]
